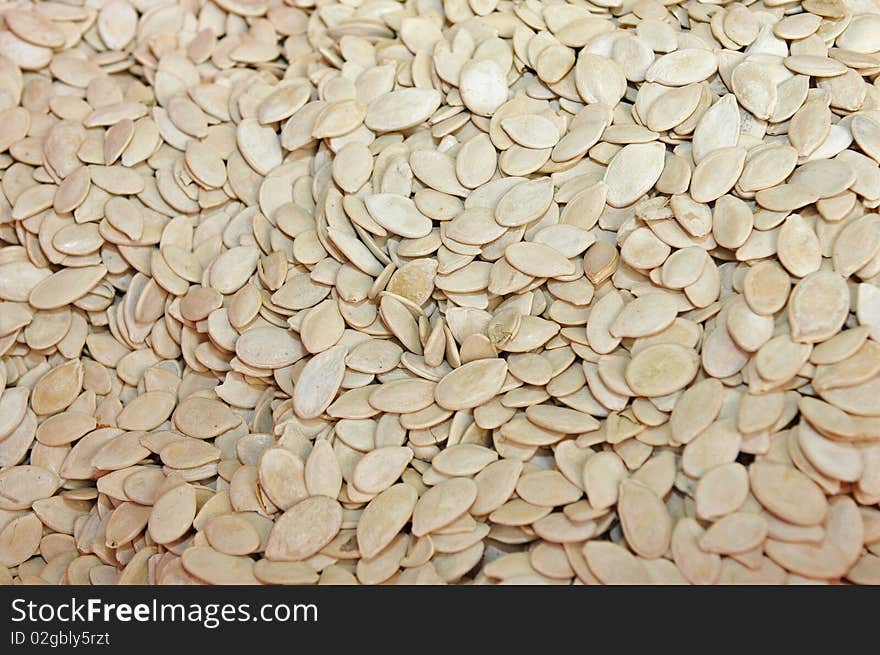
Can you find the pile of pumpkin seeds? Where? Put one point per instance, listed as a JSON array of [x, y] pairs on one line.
[[466, 292]]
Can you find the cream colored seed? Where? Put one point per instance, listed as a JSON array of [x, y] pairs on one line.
[[304, 529], [643, 517]]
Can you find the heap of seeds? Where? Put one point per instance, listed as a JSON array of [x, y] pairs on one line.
[[472, 291]]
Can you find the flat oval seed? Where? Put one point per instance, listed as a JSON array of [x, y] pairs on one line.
[[384, 517], [286, 573], [402, 109], [531, 131], [841, 461], [483, 87], [20, 539], [721, 491], [476, 161], [173, 514], [547, 489], [215, 567], [463, 459], [304, 529], [319, 382], [818, 307], [189, 453], [538, 260], [661, 369], [398, 215], [204, 418], [259, 145], [524, 203], [282, 477], [147, 412], [698, 566], [380, 468], [58, 388], [603, 473], [696, 409], [65, 286], [717, 173], [614, 564], [787, 493], [646, 524], [442, 504], [403, 396], [232, 534], [633, 172], [322, 474], [736, 533], [646, 315], [21, 485], [766, 288], [471, 385]]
